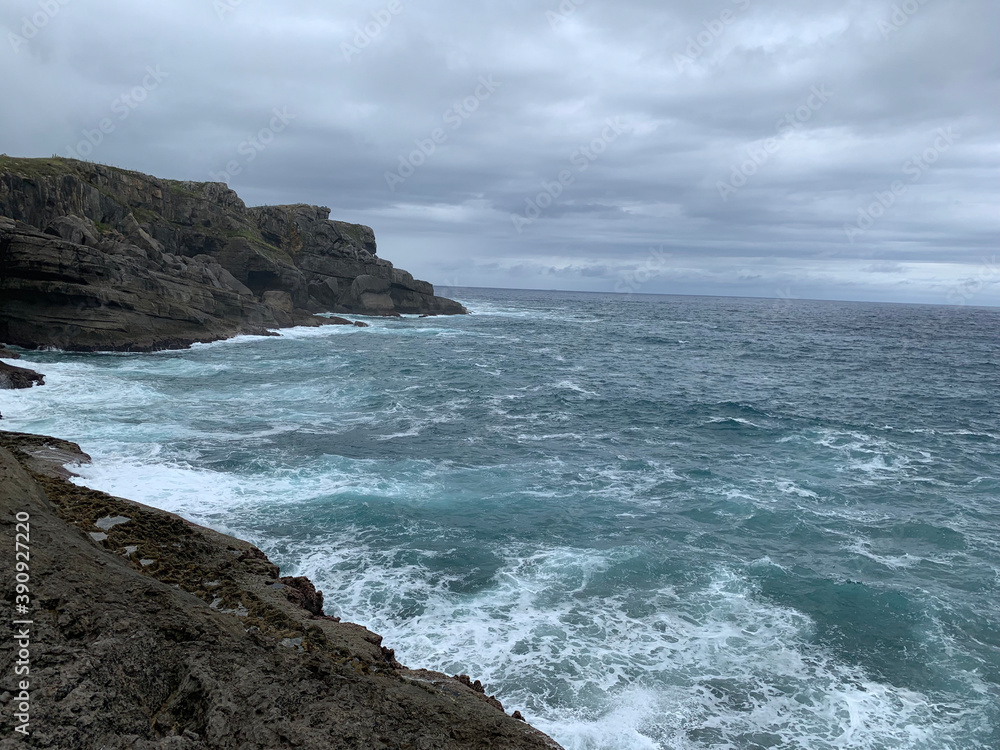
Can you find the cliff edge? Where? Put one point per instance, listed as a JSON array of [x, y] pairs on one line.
[[99, 258], [152, 633]]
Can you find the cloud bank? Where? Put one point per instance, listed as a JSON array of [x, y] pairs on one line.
[[844, 150]]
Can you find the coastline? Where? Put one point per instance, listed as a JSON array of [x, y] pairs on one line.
[[101, 259], [143, 619]]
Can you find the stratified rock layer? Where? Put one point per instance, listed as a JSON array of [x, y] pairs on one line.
[[99, 258], [152, 633]]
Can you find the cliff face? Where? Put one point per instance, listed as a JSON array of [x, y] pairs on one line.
[[93, 257], [151, 633]]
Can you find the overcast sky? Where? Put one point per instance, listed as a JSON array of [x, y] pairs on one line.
[[773, 148]]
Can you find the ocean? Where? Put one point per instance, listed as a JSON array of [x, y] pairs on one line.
[[647, 522]]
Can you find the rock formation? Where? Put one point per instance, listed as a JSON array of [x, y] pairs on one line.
[[18, 377], [100, 258], [151, 633], [12, 377]]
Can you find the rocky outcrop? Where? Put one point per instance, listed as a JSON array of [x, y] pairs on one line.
[[94, 257], [12, 377], [151, 633]]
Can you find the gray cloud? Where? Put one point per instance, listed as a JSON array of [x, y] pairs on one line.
[[856, 196]]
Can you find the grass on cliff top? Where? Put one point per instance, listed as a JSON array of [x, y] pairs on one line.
[[57, 166], [51, 167]]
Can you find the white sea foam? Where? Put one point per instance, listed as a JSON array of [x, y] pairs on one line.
[[869, 458], [789, 487], [893, 562], [193, 493], [732, 420], [715, 667], [569, 385], [863, 547]]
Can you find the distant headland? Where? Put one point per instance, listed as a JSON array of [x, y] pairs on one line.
[[96, 258]]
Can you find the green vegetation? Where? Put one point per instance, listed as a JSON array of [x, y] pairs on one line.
[[57, 166], [178, 188], [52, 167], [145, 216]]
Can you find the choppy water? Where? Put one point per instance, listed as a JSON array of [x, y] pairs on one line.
[[647, 522]]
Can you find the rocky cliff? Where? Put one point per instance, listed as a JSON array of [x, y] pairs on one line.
[[148, 632], [99, 258]]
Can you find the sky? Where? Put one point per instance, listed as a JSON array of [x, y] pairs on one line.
[[767, 148]]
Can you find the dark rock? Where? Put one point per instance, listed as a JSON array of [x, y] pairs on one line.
[[12, 377], [369, 295], [98, 258], [279, 301], [334, 320], [466, 680], [517, 715], [325, 292], [370, 285], [301, 592], [6, 353], [115, 296], [74, 229], [405, 280]]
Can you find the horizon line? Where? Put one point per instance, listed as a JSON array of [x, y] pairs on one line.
[[438, 287]]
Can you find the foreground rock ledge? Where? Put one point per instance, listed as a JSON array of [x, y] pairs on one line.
[[153, 633]]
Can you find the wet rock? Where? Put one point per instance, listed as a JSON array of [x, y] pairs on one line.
[[300, 591], [12, 377]]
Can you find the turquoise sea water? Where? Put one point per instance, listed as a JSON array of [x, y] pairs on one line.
[[646, 522]]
